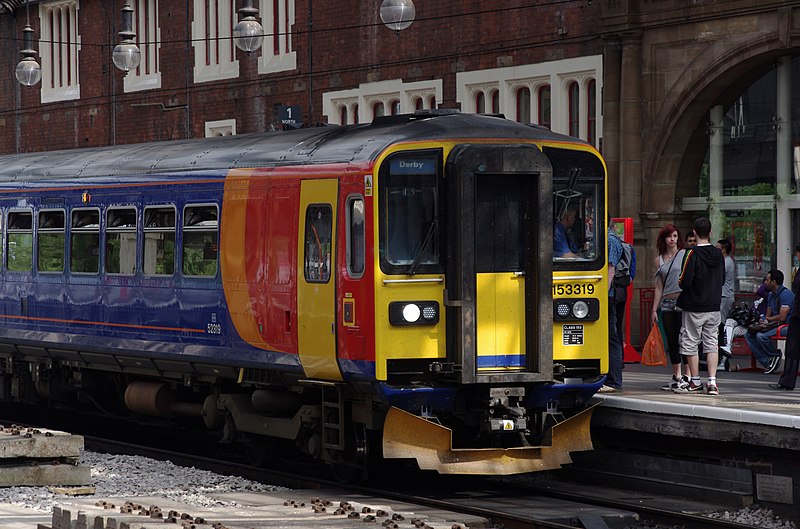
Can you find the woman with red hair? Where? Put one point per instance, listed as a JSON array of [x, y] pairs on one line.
[[668, 266]]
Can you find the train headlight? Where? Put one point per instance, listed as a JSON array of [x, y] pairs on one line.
[[568, 309], [580, 309], [413, 312]]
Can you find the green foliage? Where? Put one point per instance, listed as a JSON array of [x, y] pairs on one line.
[[20, 251], [200, 253], [51, 252]]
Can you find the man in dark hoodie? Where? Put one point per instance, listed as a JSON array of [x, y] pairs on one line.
[[701, 279]]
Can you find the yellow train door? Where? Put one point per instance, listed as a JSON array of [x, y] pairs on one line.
[[316, 292]]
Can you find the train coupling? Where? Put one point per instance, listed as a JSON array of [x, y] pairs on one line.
[[408, 436], [506, 413]]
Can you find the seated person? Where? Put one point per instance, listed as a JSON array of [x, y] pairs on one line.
[[562, 245], [742, 316], [779, 305]]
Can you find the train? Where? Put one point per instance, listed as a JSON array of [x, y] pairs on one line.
[[367, 292]]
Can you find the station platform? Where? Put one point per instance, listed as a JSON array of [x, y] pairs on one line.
[[739, 447], [745, 397]]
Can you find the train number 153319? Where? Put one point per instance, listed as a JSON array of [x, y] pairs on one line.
[[577, 289]]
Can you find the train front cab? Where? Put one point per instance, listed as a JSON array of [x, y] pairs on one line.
[[464, 311]]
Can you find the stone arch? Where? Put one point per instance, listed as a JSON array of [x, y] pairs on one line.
[[679, 139]]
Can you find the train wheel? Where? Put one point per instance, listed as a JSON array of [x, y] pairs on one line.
[[351, 465]]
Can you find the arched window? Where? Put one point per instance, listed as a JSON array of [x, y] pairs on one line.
[[495, 101], [394, 107], [419, 104], [480, 103], [591, 112], [431, 101], [343, 115], [543, 99], [524, 105], [355, 114], [377, 110], [573, 94]]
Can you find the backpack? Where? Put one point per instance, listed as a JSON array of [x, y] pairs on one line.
[[625, 270]]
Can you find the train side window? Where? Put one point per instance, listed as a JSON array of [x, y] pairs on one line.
[[159, 240], [19, 253], [317, 254], [200, 240], [121, 241], [51, 237], [355, 236], [84, 242]]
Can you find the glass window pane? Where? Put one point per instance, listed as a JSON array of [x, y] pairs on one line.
[[20, 241], [200, 241], [355, 246], [409, 199], [121, 241], [752, 236], [84, 253], [480, 103], [524, 105], [501, 209], [51, 252], [159, 240], [317, 254], [85, 241], [544, 106]]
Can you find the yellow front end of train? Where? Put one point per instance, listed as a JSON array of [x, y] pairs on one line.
[[464, 307]]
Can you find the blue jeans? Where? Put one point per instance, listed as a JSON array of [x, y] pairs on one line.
[[762, 345], [615, 354]]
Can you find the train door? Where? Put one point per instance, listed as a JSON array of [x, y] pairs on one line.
[[497, 284], [316, 295], [501, 212]]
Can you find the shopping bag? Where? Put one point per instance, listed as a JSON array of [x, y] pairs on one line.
[[653, 350]]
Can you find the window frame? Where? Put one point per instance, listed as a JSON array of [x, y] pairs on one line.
[[189, 229], [541, 107], [49, 230], [306, 225], [73, 230], [111, 230], [22, 231], [350, 240], [523, 101], [574, 109], [160, 229], [591, 112]]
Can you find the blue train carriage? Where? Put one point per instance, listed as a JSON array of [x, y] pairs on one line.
[[373, 290]]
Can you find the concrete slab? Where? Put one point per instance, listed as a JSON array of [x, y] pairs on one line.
[[44, 474], [31, 443]]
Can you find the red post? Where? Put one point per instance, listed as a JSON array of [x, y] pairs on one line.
[[624, 229]]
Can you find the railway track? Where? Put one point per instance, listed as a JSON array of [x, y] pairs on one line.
[[507, 503], [472, 496]]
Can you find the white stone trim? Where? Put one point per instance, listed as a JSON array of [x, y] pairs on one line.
[[557, 74], [221, 127], [367, 94]]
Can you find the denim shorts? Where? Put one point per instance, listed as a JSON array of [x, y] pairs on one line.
[[669, 304]]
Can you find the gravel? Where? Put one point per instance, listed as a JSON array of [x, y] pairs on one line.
[[116, 476], [751, 516], [131, 476]]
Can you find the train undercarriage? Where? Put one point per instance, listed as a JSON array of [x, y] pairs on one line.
[[347, 426]]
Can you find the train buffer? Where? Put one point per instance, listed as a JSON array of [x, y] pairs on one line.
[[38, 457]]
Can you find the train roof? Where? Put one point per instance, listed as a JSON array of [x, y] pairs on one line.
[[327, 144]]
